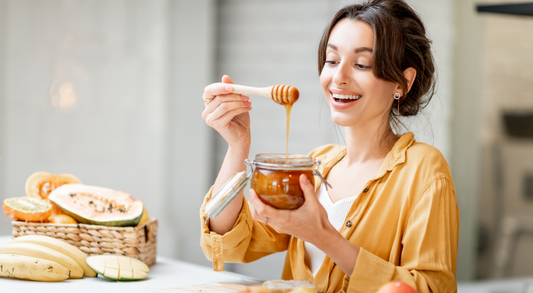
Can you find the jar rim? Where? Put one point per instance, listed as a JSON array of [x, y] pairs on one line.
[[283, 161]]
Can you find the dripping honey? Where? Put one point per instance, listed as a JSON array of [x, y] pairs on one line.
[[288, 108], [281, 188]]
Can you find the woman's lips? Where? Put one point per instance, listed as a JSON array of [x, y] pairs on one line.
[[341, 99], [344, 92], [346, 97]]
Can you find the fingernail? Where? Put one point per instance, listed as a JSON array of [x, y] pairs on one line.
[[228, 88]]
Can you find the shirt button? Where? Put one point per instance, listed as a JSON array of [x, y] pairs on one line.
[[348, 223], [366, 190]]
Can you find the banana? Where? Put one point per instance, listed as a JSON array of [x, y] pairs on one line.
[[59, 245], [31, 268], [39, 251]]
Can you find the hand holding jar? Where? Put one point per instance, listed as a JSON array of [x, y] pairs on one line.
[[306, 222]]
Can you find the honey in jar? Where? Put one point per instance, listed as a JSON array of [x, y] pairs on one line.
[[276, 179]]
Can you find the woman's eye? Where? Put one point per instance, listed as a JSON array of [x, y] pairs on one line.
[[361, 66], [330, 62]]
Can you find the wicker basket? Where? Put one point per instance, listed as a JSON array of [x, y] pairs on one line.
[[139, 242]]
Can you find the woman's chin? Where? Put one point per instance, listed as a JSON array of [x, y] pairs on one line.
[[342, 121]]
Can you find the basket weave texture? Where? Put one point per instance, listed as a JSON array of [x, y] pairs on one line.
[[138, 242]]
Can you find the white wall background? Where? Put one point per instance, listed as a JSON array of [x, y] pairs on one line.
[[506, 161], [110, 91], [83, 93], [465, 124]]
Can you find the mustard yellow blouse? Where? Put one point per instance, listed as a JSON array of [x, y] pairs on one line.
[[405, 220]]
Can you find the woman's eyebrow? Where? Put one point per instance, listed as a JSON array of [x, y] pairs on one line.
[[363, 49], [332, 46], [357, 50]]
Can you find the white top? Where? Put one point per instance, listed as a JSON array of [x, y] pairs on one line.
[[337, 213]]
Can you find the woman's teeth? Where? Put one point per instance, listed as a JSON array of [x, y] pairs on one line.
[[338, 97]]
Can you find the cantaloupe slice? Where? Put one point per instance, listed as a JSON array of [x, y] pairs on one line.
[[40, 184], [118, 267]]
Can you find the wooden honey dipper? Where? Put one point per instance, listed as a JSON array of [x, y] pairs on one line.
[[279, 93]]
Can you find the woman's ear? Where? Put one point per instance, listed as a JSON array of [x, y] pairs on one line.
[[410, 75]]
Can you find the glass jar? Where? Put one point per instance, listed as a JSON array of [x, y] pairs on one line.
[[276, 179]]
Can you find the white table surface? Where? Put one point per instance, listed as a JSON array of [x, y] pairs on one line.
[[514, 285], [166, 273], [169, 273]]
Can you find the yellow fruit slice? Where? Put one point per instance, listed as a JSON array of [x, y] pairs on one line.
[[118, 267], [111, 262], [27, 209], [126, 274], [61, 219], [302, 289], [145, 218], [111, 273], [139, 274]]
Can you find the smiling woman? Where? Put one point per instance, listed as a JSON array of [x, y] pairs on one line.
[[396, 43], [348, 80], [389, 211]]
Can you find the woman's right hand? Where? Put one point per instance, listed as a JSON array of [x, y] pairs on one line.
[[228, 113]]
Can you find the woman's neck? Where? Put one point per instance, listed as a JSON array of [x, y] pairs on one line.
[[368, 143]]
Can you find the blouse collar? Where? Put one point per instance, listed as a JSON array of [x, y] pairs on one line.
[[395, 157]]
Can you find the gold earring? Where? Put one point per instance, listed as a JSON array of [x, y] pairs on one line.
[[397, 97]]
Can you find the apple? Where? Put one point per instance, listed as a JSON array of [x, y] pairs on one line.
[[396, 287]]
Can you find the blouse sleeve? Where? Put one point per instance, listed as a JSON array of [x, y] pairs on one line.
[[247, 241], [429, 254]]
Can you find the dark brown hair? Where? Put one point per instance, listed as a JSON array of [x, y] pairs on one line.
[[400, 42]]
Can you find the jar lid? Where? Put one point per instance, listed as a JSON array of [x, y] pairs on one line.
[[226, 194], [283, 161]]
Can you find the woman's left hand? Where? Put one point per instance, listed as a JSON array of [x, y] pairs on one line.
[[306, 223], [309, 223]]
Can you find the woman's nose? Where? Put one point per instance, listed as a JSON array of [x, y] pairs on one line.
[[342, 75]]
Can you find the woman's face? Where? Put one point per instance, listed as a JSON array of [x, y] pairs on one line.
[[354, 95]]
